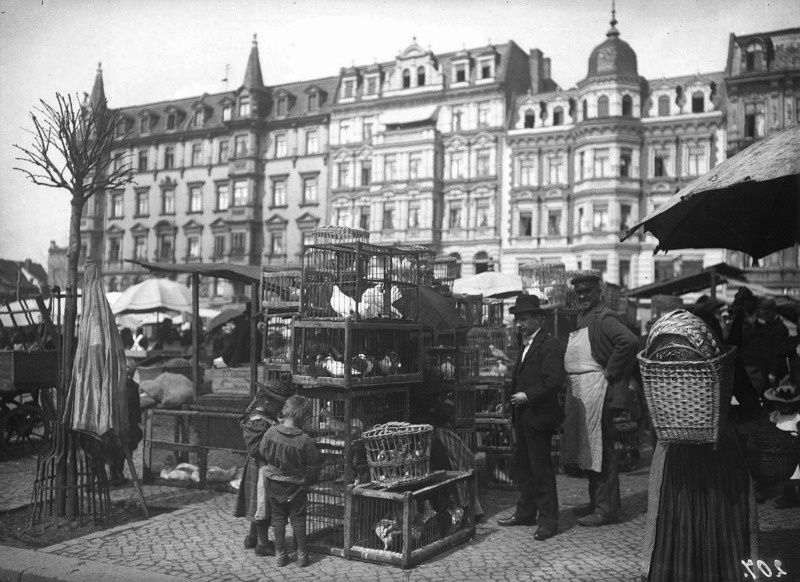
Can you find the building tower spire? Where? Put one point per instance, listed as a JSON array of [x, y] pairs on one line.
[[613, 30], [252, 74], [98, 96]]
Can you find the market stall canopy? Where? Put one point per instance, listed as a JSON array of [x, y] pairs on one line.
[[16, 281], [435, 311], [243, 273], [688, 283], [749, 203], [489, 284], [154, 295], [222, 318]]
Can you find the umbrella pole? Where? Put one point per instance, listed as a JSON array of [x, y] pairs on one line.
[[136, 483]]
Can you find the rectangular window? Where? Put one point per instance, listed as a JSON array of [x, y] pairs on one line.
[[349, 88], [343, 174], [363, 217], [600, 217], [624, 216], [460, 73], [527, 171], [389, 168], [486, 69], [276, 243], [279, 193], [581, 165], [169, 158], [311, 142], [281, 107], [695, 266], [413, 215], [168, 202], [458, 119], [366, 173], [482, 212], [388, 216], [312, 102], [625, 273], [170, 122], [579, 223], [165, 246], [372, 85], [223, 197], [602, 167], [240, 146], [117, 162], [600, 265], [244, 107], [367, 132], [483, 114], [114, 249], [198, 118], [454, 217], [144, 125], [281, 150], [341, 217], [142, 206], [237, 243], [142, 160], [754, 120], [696, 161], [344, 133], [415, 166], [241, 193], [223, 151], [140, 248], [195, 198], [193, 247], [664, 271], [484, 167], [554, 222], [625, 162], [660, 165], [456, 166], [556, 172], [525, 224], [117, 205], [219, 246], [226, 113], [310, 190], [197, 154]]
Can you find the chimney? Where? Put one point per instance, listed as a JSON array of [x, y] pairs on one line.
[[546, 69], [535, 66]]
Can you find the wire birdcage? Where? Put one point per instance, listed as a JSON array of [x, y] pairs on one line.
[[426, 259], [470, 308], [360, 280], [497, 348], [445, 269], [545, 280], [277, 343], [451, 364], [331, 234], [349, 353], [492, 401], [494, 312], [404, 528], [280, 290], [338, 419]]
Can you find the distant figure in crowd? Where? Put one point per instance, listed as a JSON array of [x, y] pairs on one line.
[[756, 345], [127, 337], [115, 453], [168, 337], [599, 360], [778, 338], [292, 460], [535, 384], [239, 352], [140, 342]]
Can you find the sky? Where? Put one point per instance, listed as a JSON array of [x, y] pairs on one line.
[[153, 50]]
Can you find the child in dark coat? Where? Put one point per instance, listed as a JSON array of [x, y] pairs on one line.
[[261, 414], [115, 453], [292, 459]]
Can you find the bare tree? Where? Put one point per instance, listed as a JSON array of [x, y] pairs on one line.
[[71, 150]]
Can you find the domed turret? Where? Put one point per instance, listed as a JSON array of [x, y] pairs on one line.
[[614, 56]]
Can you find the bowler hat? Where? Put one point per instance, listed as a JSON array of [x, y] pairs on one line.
[[526, 304], [585, 280], [275, 389]]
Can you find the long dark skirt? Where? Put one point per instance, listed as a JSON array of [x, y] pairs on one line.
[[247, 496], [703, 528]]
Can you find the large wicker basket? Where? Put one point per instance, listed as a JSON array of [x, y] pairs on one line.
[[772, 454], [398, 453], [688, 401]]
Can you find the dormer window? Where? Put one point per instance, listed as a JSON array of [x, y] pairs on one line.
[[663, 106], [144, 124], [406, 78], [226, 113], [349, 88], [281, 107], [627, 106], [486, 68], [198, 118], [530, 119], [460, 72], [372, 85], [698, 102], [420, 76], [313, 102], [558, 116], [171, 122], [244, 107], [754, 57]]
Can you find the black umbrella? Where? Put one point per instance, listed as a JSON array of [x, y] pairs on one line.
[[749, 203]]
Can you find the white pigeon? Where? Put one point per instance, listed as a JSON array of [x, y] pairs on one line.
[[342, 304], [372, 301], [336, 368], [448, 369]]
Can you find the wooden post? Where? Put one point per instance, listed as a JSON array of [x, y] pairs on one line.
[[713, 275], [196, 332], [254, 309]]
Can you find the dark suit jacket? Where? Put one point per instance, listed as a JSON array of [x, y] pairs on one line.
[[540, 376]]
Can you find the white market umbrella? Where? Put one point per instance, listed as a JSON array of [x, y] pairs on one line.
[[154, 295], [489, 284]]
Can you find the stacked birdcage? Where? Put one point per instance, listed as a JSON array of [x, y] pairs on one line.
[[280, 302], [545, 280], [445, 270], [470, 308], [497, 352], [494, 312], [426, 260], [449, 374], [337, 422], [331, 234]]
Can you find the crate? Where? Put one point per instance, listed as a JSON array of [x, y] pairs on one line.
[[451, 364], [497, 349], [377, 353], [366, 282], [492, 401], [233, 380], [494, 435], [344, 460], [25, 370], [405, 528]]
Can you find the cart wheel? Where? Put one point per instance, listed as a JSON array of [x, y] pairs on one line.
[[24, 425]]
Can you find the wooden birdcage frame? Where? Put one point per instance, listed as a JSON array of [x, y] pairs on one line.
[[332, 234]]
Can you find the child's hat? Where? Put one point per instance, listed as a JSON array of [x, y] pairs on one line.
[[786, 394]]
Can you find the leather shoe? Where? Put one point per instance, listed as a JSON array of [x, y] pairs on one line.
[[514, 520], [543, 534], [594, 520], [583, 510]]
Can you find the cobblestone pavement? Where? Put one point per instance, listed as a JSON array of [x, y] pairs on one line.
[[201, 541]]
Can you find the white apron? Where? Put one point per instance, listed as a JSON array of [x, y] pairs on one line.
[[583, 409]]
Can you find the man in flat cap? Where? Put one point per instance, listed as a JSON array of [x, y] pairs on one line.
[[537, 378], [599, 359]]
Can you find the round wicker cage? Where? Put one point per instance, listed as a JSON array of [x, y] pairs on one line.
[[330, 234], [680, 328], [398, 452]]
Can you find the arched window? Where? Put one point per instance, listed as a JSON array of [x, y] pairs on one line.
[[663, 106], [602, 106], [698, 102], [530, 119], [755, 57], [558, 116], [421, 76], [406, 79], [585, 109], [481, 262], [627, 106]]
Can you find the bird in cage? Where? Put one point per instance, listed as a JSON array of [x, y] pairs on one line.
[[372, 302], [337, 425], [498, 353], [390, 364], [336, 368], [448, 369], [364, 364], [342, 304], [390, 531], [502, 369]]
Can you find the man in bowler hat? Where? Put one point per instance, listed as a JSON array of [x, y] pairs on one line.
[[537, 414]]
